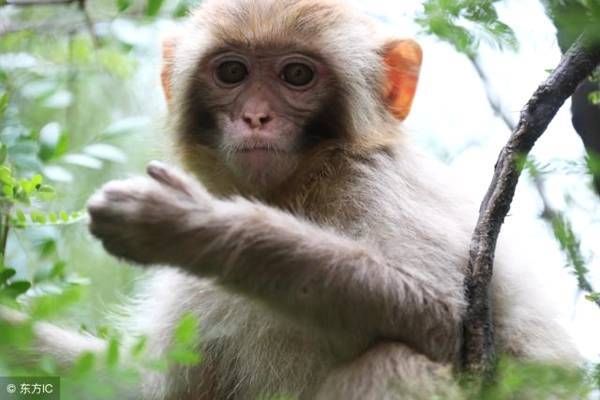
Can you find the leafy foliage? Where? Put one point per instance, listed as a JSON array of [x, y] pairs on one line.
[[65, 116], [464, 23], [519, 380], [573, 17], [594, 97], [563, 231]]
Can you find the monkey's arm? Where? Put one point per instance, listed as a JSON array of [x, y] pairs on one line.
[[297, 267], [391, 371], [48, 339]]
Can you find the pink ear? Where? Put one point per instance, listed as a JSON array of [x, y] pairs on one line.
[[168, 56], [403, 62]]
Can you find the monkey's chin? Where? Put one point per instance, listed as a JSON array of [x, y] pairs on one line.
[[262, 168]]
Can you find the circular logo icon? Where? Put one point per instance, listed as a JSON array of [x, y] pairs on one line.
[[10, 388]]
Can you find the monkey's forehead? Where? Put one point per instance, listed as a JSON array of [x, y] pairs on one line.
[[318, 23]]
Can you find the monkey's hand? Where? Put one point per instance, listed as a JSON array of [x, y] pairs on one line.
[[146, 219]]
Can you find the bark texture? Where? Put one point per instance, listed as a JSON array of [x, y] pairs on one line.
[[577, 64]]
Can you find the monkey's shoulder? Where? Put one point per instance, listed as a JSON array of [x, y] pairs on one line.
[[389, 192]]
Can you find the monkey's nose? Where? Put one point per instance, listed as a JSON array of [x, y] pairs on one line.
[[256, 120]]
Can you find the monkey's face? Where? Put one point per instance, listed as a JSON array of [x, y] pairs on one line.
[[262, 107], [257, 86]]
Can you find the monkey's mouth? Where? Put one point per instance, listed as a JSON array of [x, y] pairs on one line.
[[258, 149], [258, 158], [259, 146], [261, 150]]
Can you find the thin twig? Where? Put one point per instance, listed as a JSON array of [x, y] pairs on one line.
[[495, 103], [478, 334], [89, 23], [4, 229], [81, 5]]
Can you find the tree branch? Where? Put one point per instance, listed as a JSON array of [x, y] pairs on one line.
[[554, 218], [478, 332]]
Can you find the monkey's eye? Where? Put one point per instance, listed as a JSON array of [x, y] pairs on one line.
[[298, 74], [232, 72]]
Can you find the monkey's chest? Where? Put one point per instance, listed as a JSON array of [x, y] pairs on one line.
[[263, 354]]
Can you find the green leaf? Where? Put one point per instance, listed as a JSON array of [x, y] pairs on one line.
[[38, 217], [43, 307], [84, 364], [127, 125], [571, 247], [45, 193], [53, 217], [64, 216], [112, 353], [82, 50], [187, 330], [83, 160], [185, 357], [21, 217], [54, 142], [36, 180], [47, 247], [6, 175], [123, 5], [26, 186], [154, 7], [21, 195], [57, 173], [186, 338], [17, 288], [58, 270], [8, 191], [103, 332], [106, 152], [62, 146], [59, 100], [465, 23], [6, 274], [593, 164], [182, 9], [139, 347], [3, 103], [593, 297], [3, 153], [594, 97], [76, 215]]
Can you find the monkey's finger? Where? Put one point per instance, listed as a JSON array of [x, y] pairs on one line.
[[166, 175]]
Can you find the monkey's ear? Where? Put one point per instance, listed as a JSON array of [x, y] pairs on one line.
[[169, 44], [403, 62]]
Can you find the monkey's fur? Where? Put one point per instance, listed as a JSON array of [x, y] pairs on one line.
[[345, 281]]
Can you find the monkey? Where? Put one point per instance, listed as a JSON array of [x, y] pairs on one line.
[[323, 255]]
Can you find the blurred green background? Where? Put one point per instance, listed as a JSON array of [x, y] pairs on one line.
[[80, 99]]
